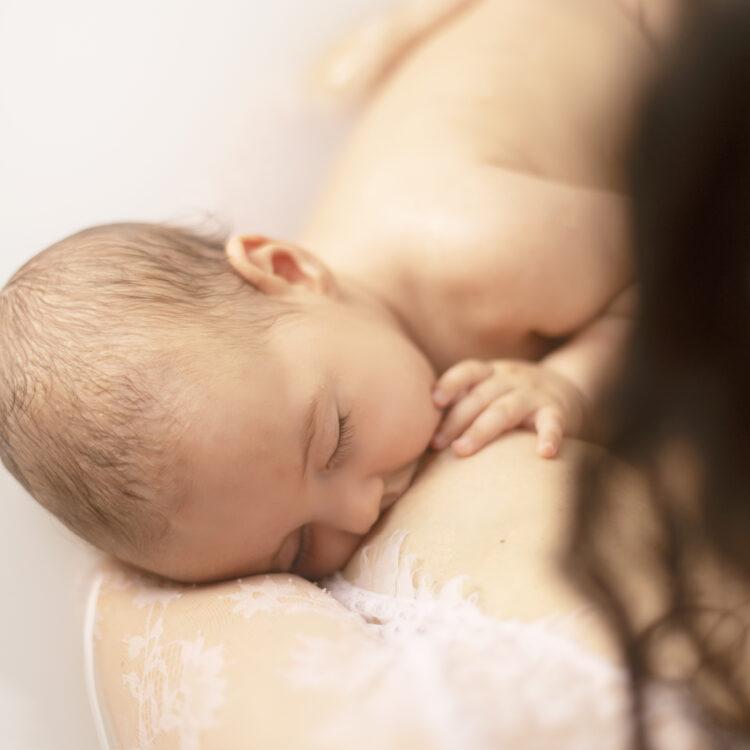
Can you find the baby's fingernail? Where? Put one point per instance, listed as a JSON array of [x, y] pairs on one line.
[[463, 444], [439, 397], [548, 449]]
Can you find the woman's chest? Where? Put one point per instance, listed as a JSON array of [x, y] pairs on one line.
[[496, 522]]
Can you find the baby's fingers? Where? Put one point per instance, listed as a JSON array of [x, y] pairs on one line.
[[499, 417], [550, 428], [467, 409], [458, 378]]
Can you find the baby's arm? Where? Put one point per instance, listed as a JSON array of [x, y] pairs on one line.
[[591, 357], [553, 397]]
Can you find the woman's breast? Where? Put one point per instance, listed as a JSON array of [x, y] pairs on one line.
[[498, 521]]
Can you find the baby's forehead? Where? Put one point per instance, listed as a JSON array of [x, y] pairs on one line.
[[250, 400]]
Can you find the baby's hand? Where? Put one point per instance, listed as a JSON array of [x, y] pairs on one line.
[[490, 398]]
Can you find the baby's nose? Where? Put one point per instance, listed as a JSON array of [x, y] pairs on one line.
[[361, 510]]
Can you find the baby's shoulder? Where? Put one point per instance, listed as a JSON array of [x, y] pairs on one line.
[[521, 252]]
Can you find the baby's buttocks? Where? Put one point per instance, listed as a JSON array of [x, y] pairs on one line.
[[541, 87]]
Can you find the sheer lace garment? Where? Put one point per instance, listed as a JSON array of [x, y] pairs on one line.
[[388, 660]]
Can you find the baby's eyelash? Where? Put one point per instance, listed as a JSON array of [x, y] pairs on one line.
[[346, 431]]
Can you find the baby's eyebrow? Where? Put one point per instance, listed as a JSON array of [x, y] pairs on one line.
[[308, 428]]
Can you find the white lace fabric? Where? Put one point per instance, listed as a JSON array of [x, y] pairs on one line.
[[390, 660]]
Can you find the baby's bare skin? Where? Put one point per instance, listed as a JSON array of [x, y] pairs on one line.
[[478, 200], [480, 193]]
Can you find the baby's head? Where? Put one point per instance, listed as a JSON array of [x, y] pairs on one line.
[[203, 414]]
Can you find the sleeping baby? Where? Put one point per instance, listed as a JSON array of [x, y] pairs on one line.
[[206, 409]]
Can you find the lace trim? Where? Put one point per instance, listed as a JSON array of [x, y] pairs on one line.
[[464, 679]]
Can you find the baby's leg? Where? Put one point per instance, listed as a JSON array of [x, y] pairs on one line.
[[368, 53]]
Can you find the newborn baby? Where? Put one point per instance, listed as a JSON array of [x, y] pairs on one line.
[[204, 416]]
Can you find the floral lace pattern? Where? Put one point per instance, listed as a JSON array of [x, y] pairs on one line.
[[472, 681], [177, 685], [415, 658], [269, 594]]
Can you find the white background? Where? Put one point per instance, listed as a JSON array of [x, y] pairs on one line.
[[140, 110]]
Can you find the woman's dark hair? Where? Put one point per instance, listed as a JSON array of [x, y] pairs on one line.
[[680, 411]]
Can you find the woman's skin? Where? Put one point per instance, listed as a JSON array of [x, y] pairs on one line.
[[501, 518]]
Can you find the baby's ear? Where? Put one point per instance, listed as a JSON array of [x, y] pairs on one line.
[[275, 267]]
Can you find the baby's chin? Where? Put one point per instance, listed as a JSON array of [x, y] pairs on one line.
[[396, 492]]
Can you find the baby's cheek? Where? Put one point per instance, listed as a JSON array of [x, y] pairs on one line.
[[415, 420]]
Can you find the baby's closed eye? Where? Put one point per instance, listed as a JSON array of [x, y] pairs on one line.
[[343, 442]]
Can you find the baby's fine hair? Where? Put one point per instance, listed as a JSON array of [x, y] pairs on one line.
[[96, 334]]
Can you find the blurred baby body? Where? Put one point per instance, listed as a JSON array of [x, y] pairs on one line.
[[481, 191]]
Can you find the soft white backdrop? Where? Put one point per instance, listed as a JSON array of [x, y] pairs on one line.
[[140, 110]]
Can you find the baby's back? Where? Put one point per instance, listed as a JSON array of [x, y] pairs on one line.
[[488, 167]]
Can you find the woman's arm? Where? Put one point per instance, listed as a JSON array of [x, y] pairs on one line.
[[254, 663]]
